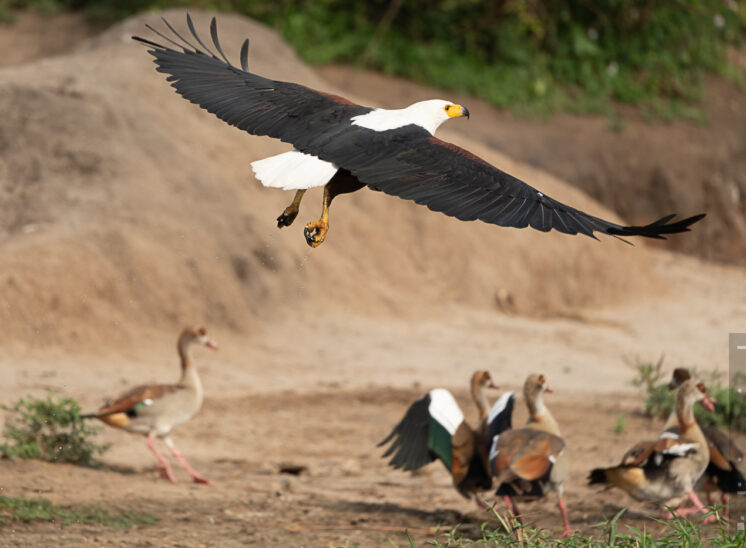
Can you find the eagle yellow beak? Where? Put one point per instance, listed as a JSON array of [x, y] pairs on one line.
[[454, 111]]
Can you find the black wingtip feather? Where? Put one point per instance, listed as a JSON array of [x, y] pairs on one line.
[[190, 24], [159, 33], [179, 36], [658, 228], [147, 42], [245, 55], [214, 35]]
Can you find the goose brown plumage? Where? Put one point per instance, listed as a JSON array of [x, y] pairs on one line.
[[154, 410], [530, 461], [663, 470], [727, 467], [434, 428]]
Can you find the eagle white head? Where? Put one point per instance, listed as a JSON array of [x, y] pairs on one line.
[[426, 114]]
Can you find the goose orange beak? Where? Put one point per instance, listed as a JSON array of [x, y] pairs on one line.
[[709, 403]]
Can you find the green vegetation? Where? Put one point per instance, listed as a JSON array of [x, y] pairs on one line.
[[679, 533], [533, 57], [730, 411], [620, 424], [50, 430], [40, 509]]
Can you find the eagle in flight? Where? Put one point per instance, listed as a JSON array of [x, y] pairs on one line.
[[344, 147]]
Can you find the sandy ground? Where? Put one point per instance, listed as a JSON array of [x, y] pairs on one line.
[[128, 213]]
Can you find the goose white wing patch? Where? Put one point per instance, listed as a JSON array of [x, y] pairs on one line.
[[293, 171], [444, 409], [680, 450], [493, 449], [499, 406]]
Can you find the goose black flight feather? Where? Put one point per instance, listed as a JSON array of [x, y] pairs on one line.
[[344, 146], [433, 428]]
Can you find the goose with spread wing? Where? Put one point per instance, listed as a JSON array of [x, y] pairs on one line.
[[434, 428]]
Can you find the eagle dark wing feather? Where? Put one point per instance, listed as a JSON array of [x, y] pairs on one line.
[[250, 102], [407, 162], [450, 180]]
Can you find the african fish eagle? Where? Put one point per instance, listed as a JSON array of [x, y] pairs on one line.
[[344, 147]]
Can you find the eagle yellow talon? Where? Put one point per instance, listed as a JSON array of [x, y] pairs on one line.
[[316, 232]]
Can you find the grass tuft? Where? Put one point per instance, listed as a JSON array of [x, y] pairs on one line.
[[679, 533], [40, 509]]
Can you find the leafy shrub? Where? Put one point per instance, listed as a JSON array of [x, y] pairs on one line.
[[535, 57], [730, 411], [48, 430]]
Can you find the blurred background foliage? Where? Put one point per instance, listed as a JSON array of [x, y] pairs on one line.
[[532, 56]]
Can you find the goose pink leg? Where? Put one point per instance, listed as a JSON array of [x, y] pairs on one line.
[[513, 508], [708, 489], [698, 507], [701, 507], [184, 464], [567, 533], [483, 504], [163, 465]]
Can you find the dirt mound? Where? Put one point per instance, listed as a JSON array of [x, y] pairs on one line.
[[33, 35], [122, 206]]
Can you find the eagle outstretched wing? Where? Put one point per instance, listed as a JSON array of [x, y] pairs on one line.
[[407, 162]]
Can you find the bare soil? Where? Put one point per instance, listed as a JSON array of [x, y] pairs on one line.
[[127, 213], [344, 493]]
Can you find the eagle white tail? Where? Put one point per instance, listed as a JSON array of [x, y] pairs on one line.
[[293, 171]]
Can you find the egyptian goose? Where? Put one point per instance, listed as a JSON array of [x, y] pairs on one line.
[[727, 466], [434, 428], [530, 461], [154, 410], [665, 469]]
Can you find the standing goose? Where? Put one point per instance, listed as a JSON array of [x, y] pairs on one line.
[[155, 409], [530, 461], [662, 470], [434, 428], [727, 466]]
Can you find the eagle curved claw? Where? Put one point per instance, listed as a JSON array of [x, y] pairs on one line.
[[315, 232], [289, 214], [287, 217]]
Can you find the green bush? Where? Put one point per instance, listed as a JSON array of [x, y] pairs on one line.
[[534, 57], [48, 430], [730, 411]]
